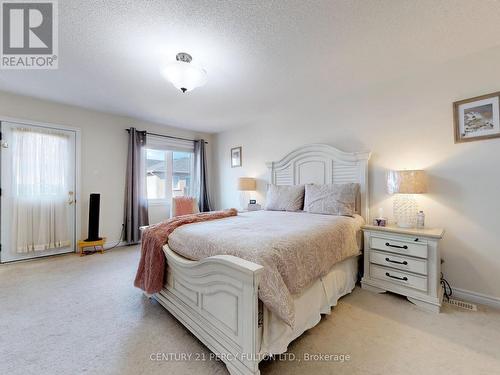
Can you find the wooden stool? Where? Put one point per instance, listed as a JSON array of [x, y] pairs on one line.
[[94, 244]]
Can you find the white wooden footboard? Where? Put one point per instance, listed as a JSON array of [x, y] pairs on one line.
[[217, 300]]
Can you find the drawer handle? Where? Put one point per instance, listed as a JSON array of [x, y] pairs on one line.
[[395, 277], [395, 261], [396, 246]]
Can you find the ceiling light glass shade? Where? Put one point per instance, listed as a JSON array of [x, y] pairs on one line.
[[184, 76]]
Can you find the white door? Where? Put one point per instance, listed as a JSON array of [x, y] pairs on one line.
[[38, 209]]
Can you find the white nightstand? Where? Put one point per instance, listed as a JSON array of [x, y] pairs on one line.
[[404, 261]]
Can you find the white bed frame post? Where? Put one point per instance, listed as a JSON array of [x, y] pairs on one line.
[[216, 298]]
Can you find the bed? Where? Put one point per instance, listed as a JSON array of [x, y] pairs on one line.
[[217, 297]]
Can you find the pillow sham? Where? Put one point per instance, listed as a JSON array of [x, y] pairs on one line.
[[285, 198], [332, 199]]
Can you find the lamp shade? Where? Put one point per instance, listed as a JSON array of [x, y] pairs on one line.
[[247, 184], [407, 182]]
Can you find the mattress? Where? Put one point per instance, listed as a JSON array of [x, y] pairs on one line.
[[295, 249]]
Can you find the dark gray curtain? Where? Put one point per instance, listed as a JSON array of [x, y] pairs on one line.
[[136, 203], [201, 178]]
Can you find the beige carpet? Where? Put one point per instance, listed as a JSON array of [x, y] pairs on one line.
[[72, 315]]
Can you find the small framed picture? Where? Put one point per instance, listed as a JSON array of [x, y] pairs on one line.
[[477, 118], [236, 157]]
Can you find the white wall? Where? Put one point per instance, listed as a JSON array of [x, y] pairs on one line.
[[103, 149], [407, 124]]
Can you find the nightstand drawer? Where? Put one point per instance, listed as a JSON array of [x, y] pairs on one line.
[[414, 249], [398, 277], [399, 262]]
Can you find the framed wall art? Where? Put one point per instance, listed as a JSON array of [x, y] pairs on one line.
[[477, 118], [236, 157]]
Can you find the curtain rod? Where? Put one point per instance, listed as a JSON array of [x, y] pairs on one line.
[[165, 136]]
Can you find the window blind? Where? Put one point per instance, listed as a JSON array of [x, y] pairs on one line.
[[169, 144]]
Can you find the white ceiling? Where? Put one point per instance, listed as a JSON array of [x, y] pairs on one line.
[[261, 56]]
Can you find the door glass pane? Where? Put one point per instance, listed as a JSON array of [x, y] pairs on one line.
[[40, 189]]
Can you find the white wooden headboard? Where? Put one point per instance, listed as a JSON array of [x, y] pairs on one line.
[[323, 164]]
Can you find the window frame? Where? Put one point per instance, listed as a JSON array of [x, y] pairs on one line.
[[169, 174]]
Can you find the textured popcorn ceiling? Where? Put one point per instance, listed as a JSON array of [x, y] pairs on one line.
[[261, 56]]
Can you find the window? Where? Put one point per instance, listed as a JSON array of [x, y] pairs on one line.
[[156, 172], [182, 167], [168, 173]]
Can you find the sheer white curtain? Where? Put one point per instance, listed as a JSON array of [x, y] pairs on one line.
[[40, 185]]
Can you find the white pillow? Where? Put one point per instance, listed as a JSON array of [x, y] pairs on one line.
[[285, 198], [332, 199]]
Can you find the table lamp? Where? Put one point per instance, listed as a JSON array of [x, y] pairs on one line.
[[405, 184], [245, 185]]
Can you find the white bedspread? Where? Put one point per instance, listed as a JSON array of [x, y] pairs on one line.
[[295, 248]]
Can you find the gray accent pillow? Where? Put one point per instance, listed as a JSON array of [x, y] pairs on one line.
[[285, 198], [332, 199]]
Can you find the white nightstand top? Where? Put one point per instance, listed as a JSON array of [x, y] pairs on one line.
[[425, 232]]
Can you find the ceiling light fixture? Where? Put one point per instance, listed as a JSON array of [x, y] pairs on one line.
[[184, 75]]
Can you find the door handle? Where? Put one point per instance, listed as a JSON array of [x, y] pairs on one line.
[[70, 198]]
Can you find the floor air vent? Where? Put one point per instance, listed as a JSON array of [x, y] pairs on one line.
[[463, 305]]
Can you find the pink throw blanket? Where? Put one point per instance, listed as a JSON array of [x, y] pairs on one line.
[[151, 272]]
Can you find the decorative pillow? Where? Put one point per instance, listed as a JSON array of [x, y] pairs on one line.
[[285, 198], [184, 206], [333, 199]]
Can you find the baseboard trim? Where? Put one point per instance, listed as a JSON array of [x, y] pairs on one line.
[[475, 297]]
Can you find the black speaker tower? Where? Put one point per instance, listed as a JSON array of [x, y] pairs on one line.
[[94, 206]]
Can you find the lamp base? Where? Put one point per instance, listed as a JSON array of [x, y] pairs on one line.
[[244, 199], [405, 210]]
